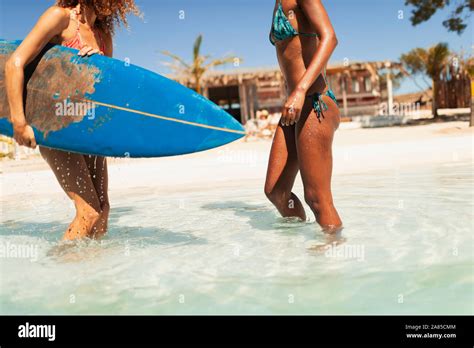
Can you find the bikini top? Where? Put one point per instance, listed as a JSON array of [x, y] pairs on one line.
[[282, 28], [76, 41]]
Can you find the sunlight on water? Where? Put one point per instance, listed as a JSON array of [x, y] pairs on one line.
[[407, 248]]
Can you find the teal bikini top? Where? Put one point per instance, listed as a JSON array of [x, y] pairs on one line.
[[282, 28]]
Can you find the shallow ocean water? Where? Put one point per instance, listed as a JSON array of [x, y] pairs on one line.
[[407, 248]]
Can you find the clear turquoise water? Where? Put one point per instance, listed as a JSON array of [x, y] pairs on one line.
[[225, 250]]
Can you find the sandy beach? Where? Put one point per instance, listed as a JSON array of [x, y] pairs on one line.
[[355, 151]]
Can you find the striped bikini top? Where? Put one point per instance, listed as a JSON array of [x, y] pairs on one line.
[[282, 28], [76, 41]]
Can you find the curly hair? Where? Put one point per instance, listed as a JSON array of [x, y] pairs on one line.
[[110, 13]]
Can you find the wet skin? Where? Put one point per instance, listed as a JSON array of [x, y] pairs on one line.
[[302, 142], [84, 178]]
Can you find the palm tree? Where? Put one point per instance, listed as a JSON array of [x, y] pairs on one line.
[[194, 71], [429, 62], [467, 65]]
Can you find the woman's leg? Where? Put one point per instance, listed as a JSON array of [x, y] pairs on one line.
[[97, 167], [314, 143], [73, 176], [281, 174]]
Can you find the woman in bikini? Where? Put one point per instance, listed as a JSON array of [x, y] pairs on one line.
[[87, 25], [304, 40]]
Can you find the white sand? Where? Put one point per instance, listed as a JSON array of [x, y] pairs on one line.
[[355, 151]]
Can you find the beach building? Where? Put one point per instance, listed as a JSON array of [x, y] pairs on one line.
[[358, 86]]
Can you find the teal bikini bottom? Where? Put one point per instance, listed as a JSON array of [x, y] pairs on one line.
[[319, 105]]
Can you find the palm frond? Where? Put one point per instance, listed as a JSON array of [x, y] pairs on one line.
[[175, 58], [437, 59], [220, 61], [197, 47], [192, 73]]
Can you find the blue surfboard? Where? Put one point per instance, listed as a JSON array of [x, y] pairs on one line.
[[102, 106]]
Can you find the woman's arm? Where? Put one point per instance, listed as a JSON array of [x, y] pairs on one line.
[[319, 19], [52, 23]]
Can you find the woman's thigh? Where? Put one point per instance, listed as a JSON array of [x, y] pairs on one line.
[[314, 138]]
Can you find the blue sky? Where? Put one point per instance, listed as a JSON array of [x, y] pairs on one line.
[[366, 29]]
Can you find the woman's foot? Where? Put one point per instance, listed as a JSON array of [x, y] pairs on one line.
[[288, 205], [332, 229], [82, 225]]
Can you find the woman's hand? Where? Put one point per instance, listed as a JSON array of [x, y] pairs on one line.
[[24, 135], [89, 51], [292, 110]]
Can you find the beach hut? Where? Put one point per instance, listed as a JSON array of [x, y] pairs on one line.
[[243, 91]]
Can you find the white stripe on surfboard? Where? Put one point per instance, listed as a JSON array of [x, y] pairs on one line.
[[166, 118]]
